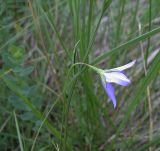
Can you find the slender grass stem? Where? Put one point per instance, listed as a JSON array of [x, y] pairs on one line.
[[148, 94]]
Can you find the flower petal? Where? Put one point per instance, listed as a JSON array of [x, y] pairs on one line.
[[129, 65], [111, 93], [117, 77]]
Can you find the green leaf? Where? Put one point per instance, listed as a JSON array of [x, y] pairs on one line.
[[17, 103], [28, 116], [23, 71], [16, 52]]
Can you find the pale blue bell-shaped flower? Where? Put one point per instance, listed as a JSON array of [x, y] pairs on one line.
[[115, 75]]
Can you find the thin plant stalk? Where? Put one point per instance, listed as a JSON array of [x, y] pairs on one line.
[[148, 91]]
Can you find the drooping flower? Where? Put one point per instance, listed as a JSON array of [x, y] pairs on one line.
[[115, 75]]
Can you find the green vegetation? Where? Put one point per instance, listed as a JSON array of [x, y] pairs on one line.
[[51, 101]]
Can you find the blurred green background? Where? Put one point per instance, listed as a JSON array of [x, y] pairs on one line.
[[46, 105]]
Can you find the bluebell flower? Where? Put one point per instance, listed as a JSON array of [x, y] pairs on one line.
[[115, 75]]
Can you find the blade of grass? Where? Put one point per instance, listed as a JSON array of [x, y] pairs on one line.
[[4, 124], [126, 45], [119, 20], [149, 28], [18, 132], [148, 88], [50, 21], [106, 4], [119, 30], [39, 129], [155, 141]]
